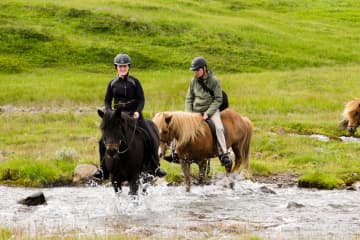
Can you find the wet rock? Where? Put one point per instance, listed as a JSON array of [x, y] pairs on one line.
[[83, 172], [294, 205], [265, 189], [34, 199]]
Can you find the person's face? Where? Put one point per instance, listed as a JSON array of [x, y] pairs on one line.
[[122, 70], [199, 72]]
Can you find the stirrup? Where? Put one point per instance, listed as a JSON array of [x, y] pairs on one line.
[[173, 158]]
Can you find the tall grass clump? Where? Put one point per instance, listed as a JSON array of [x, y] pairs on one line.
[[319, 180]]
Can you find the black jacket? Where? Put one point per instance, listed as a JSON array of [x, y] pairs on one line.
[[127, 94]]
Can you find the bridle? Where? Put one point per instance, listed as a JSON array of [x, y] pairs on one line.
[[117, 146]]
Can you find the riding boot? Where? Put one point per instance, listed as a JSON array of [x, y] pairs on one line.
[[173, 158], [225, 159], [102, 173]]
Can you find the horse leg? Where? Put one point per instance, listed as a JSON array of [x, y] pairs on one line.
[[208, 168], [202, 169], [185, 166], [116, 185], [134, 186]]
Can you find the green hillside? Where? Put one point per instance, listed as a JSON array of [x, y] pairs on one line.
[[236, 36]]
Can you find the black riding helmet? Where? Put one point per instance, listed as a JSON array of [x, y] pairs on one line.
[[197, 63], [122, 59]]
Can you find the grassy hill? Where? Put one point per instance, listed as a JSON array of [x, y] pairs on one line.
[[236, 36], [288, 65]]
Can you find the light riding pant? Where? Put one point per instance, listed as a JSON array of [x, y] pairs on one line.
[[219, 127]]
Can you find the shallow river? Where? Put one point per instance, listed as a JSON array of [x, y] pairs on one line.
[[212, 212]]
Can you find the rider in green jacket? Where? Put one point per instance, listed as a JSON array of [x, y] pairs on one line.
[[198, 99]]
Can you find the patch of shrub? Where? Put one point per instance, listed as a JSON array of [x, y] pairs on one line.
[[67, 154], [319, 180], [77, 13]]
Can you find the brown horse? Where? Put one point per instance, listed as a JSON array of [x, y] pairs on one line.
[[351, 116], [195, 143]]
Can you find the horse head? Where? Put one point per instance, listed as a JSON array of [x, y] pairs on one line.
[[352, 115], [162, 121], [112, 132], [353, 124]]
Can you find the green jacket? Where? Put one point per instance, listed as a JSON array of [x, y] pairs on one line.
[[199, 100]]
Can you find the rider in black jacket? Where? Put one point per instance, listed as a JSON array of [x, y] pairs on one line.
[[127, 94]]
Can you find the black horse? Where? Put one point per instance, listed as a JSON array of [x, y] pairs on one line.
[[127, 153]]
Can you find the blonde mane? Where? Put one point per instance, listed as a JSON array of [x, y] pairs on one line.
[[188, 125], [351, 107]]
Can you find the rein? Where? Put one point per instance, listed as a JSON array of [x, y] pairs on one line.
[[131, 140]]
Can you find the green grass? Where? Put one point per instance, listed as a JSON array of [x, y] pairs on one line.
[[287, 65]]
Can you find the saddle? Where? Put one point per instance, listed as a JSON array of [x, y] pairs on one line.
[[213, 130]]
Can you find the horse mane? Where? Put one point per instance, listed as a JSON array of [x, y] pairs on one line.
[[125, 121], [351, 107], [188, 125]]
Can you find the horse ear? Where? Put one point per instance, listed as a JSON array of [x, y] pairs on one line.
[[168, 119], [100, 113]]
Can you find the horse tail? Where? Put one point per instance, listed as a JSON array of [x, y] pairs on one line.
[[244, 145]]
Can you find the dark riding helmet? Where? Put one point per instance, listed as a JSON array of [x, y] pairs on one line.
[[197, 63], [122, 59]]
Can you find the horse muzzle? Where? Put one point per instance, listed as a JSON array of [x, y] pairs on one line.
[[112, 149], [351, 130]]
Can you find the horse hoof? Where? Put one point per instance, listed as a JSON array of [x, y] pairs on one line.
[[244, 175]]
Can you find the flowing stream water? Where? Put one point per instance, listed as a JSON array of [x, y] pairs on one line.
[[210, 212]]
